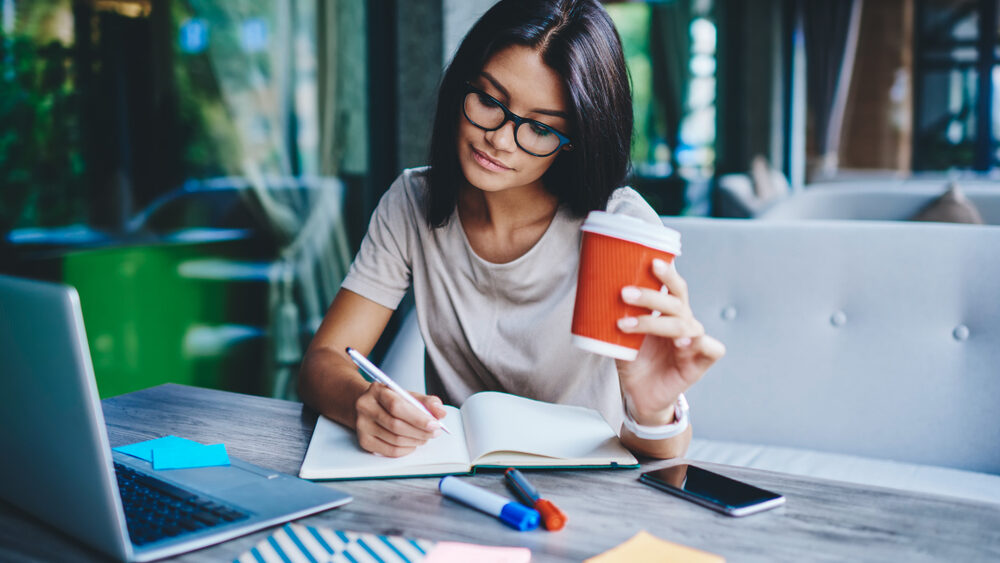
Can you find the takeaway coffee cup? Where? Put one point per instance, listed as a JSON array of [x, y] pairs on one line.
[[617, 251]]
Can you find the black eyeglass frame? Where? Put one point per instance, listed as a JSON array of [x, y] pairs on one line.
[[517, 119]]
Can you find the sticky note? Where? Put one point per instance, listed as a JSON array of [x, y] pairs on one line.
[[455, 552], [186, 456], [144, 450], [647, 548], [172, 452]]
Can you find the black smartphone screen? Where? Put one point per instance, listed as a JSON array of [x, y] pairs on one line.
[[711, 489]]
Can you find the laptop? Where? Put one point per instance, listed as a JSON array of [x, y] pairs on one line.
[[56, 461]]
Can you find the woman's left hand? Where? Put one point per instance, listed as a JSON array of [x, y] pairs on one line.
[[675, 353]]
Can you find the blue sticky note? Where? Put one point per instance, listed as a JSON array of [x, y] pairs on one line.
[[144, 450], [186, 456]]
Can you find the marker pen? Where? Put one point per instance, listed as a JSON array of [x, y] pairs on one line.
[[512, 513], [552, 517]]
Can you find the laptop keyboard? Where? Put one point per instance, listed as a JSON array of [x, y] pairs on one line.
[[155, 509]]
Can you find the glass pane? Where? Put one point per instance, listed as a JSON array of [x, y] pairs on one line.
[[665, 71], [950, 130], [41, 159], [946, 126], [162, 157]]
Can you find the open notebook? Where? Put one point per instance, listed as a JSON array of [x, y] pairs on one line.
[[490, 430]]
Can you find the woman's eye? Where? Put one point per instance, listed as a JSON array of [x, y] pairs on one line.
[[540, 130], [487, 101]]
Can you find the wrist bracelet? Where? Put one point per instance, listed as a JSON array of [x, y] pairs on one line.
[[662, 432]]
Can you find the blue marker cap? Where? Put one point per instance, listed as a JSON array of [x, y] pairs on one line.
[[519, 517], [515, 515]]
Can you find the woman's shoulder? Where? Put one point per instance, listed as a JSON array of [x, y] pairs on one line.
[[412, 181], [627, 201], [407, 193]]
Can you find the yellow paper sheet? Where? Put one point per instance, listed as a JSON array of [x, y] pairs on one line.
[[647, 548]]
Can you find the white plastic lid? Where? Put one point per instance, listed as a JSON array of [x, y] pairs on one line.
[[633, 229]]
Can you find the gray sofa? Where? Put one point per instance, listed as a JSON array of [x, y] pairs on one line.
[[858, 351], [878, 199], [865, 351]]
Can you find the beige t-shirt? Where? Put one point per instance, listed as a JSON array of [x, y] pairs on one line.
[[487, 326]]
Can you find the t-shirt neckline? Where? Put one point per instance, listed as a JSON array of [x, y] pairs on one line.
[[457, 221]]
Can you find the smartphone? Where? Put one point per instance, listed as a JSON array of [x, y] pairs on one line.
[[718, 492]]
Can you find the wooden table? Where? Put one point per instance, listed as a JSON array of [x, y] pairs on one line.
[[821, 521]]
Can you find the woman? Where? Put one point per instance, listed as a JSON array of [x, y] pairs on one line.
[[532, 131]]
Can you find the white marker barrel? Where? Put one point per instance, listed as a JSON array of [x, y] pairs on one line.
[[512, 513]]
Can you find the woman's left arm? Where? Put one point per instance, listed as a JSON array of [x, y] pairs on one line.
[[674, 355]]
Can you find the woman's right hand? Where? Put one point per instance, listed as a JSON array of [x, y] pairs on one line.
[[388, 425]]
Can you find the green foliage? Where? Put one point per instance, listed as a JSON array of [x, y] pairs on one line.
[[41, 166], [210, 146], [632, 22]]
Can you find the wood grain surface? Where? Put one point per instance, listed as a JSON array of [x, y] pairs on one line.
[[821, 521]]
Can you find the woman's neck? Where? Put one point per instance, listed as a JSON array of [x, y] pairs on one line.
[[502, 226]]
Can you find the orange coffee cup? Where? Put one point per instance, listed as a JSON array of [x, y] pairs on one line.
[[617, 251]]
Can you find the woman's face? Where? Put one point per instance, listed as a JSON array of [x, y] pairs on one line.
[[517, 77]]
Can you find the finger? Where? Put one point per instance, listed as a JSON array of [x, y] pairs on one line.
[[369, 427], [653, 300], [668, 275], [433, 404], [400, 417], [662, 325], [709, 349], [378, 446]]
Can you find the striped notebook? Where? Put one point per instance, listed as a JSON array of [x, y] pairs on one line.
[[295, 542]]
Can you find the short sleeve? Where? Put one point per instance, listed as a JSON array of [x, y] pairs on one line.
[[381, 271], [627, 201]]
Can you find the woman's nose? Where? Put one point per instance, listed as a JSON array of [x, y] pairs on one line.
[[503, 138]]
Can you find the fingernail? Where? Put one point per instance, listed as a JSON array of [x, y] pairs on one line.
[[433, 425], [437, 433], [660, 266], [682, 342], [628, 322], [630, 293]]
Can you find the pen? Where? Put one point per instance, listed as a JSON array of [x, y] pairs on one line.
[[552, 517], [512, 513], [380, 376]]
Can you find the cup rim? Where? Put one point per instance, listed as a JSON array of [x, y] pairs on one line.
[[633, 229]]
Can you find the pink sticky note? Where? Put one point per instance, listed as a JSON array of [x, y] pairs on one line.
[[455, 552]]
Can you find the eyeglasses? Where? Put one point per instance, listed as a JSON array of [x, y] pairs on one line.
[[489, 114]]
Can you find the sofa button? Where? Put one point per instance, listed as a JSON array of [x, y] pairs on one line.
[[838, 319], [961, 333], [729, 313]]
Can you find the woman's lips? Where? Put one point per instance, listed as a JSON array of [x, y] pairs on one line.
[[487, 162]]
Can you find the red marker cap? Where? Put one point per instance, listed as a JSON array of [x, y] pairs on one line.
[[552, 517]]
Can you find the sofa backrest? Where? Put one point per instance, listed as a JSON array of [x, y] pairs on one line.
[[878, 201], [878, 339]]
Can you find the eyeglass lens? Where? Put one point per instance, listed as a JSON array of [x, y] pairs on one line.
[[530, 135]]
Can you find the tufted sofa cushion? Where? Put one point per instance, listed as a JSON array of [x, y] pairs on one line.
[[874, 339]]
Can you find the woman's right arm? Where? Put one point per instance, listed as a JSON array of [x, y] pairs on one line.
[[331, 384]]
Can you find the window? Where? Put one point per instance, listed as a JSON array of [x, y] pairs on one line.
[[184, 164], [670, 50], [957, 77], [925, 88]]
